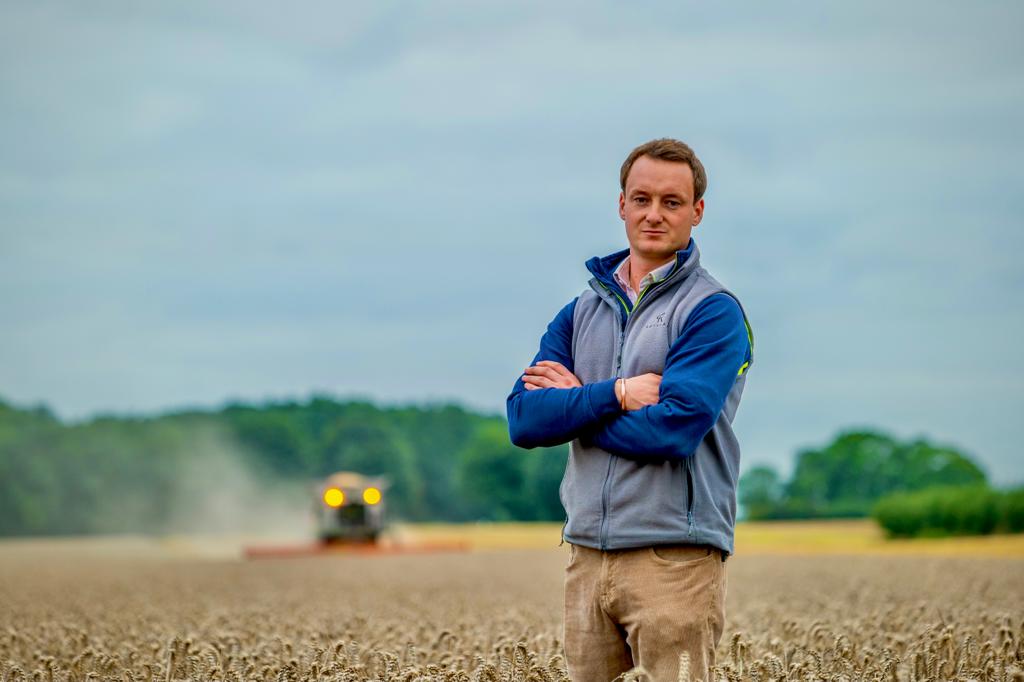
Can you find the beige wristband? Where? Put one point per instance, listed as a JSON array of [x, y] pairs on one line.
[[622, 398]]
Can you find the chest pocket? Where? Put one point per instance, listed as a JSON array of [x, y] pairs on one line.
[[648, 341], [595, 340]]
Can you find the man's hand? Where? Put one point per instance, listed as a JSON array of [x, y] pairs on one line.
[[549, 374], [641, 391]]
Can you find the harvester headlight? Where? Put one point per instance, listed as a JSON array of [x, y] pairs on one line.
[[371, 496], [333, 497]]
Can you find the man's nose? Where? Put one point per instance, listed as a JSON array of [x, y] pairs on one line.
[[653, 215]]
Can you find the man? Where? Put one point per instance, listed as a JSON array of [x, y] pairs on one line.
[[643, 373]]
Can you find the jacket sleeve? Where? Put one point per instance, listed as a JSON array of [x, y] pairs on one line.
[[550, 416], [700, 370]]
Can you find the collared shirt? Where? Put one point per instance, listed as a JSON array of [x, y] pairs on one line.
[[659, 273]]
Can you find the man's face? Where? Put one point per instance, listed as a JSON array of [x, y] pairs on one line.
[[658, 208]]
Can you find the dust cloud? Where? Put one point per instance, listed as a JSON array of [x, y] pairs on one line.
[[218, 491]]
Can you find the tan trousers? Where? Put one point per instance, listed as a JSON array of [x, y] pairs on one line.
[[643, 607]]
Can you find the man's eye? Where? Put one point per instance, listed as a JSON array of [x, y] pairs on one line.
[[639, 200], [673, 204]]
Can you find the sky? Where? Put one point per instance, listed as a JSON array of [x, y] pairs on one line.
[[204, 202]]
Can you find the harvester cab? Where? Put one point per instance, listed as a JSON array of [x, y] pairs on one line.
[[350, 508]]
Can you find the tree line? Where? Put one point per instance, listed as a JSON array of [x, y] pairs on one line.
[[443, 462], [846, 477], [129, 474], [911, 488]]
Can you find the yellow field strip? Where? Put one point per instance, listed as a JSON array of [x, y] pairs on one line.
[[766, 538], [778, 537], [863, 537]]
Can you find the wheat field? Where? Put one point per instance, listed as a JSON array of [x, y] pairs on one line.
[[134, 610]]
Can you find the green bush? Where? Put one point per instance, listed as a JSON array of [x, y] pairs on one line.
[[965, 510], [900, 514], [1013, 510]]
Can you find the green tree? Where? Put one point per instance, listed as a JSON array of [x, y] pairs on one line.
[[760, 492], [275, 437], [846, 477], [544, 470], [492, 476]]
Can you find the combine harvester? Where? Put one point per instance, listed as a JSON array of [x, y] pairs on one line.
[[350, 519]]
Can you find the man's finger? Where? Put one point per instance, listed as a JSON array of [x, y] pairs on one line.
[[542, 371], [557, 366], [539, 382], [562, 374]]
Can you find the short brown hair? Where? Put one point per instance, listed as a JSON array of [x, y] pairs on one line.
[[668, 149]]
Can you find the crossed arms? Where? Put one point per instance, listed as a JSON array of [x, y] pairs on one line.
[[666, 417]]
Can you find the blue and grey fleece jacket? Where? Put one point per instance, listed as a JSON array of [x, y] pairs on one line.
[[666, 473]]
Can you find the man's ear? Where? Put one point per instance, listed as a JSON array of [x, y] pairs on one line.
[[698, 210], [622, 205]]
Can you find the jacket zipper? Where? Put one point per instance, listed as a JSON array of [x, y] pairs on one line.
[[605, 494], [606, 488], [689, 497]]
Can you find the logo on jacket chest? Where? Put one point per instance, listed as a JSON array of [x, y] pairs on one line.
[[658, 321]]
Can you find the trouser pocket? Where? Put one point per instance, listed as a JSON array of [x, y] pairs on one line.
[[673, 602]]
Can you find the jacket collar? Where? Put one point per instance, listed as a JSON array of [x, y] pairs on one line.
[[603, 268]]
